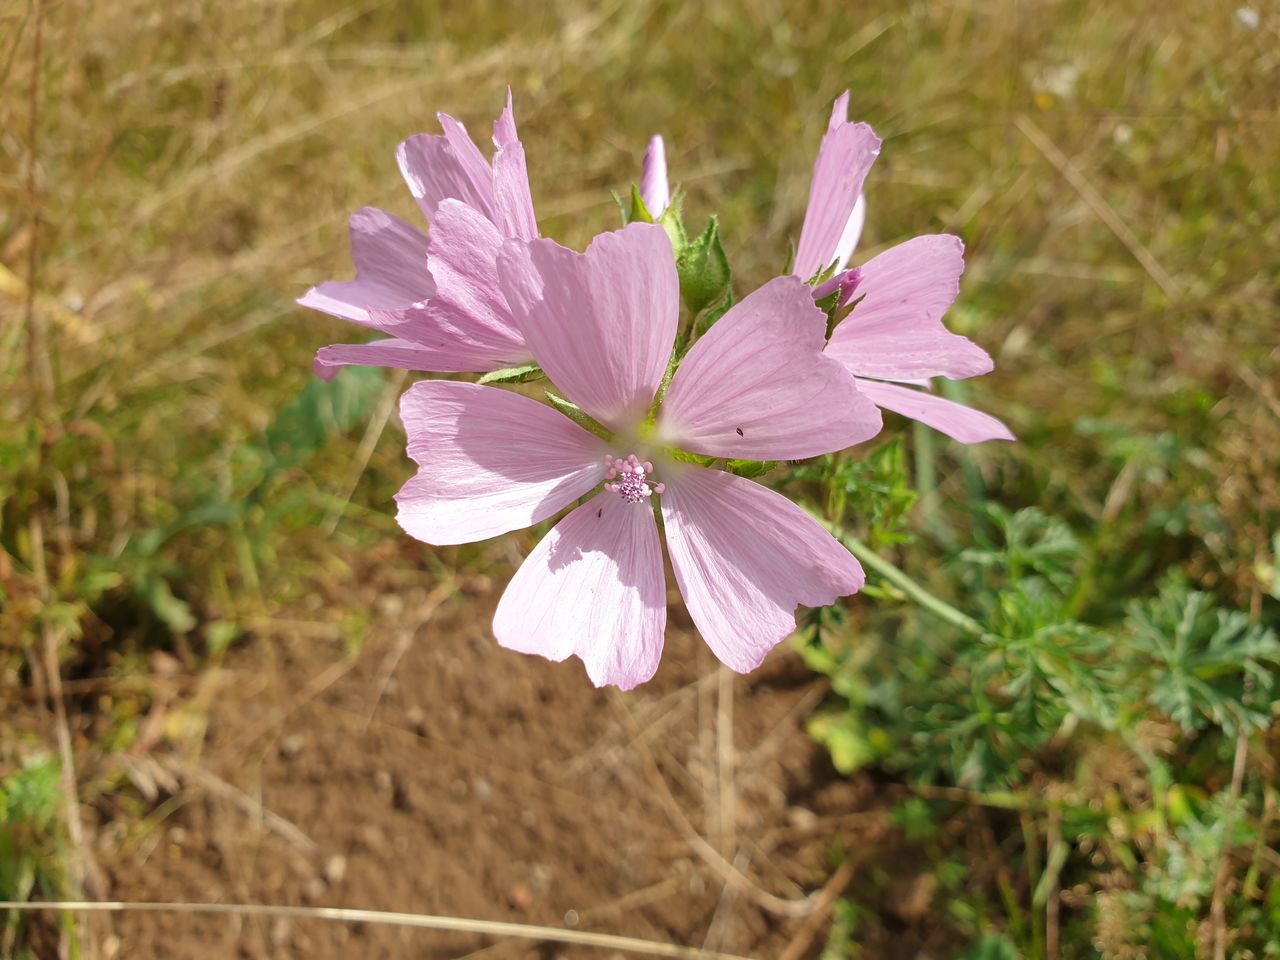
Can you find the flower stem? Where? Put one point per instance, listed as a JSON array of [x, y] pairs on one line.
[[918, 594]]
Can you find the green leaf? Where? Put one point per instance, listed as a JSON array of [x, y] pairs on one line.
[[322, 408], [520, 374], [704, 270], [1208, 665], [993, 946]]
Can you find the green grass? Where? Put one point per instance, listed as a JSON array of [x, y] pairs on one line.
[[1110, 167]]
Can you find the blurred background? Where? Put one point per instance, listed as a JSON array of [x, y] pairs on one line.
[[228, 676]]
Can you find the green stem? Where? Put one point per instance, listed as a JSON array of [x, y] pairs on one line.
[[922, 597]]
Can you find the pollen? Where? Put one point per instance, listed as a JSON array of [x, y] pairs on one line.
[[630, 478]]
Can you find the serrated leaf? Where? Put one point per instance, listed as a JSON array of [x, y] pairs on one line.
[[1210, 665]]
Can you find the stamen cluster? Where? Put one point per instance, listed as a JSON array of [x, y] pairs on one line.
[[630, 478]]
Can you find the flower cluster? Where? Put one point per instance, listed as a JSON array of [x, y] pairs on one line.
[[656, 424]]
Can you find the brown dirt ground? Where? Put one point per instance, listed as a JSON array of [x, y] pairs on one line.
[[434, 772]]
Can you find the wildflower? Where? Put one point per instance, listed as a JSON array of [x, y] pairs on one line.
[[438, 300], [757, 385], [654, 189], [894, 334], [836, 211]]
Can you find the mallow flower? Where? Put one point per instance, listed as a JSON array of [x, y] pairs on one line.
[[655, 190], [437, 299], [893, 340], [602, 325]]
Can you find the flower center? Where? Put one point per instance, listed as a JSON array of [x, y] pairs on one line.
[[630, 477]]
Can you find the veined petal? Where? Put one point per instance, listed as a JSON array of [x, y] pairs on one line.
[[954, 419], [844, 158], [852, 233], [391, 270], [758, 386], [895, 331], [512, 199], [469, 306], [601, 323], [448, 167], [745, 558], [489, 461], [655, 191], [402, 354], [593, 588]]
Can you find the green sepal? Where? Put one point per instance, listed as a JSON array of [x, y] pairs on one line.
[[684, 456], [703, 321], [673, 223], [639, 212], [750, 468], [622, 207], [521, 374], [704, 270], [575, 413], [829, 305]]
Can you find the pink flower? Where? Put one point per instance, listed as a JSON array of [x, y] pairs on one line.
[[895, 334], [757, 385], [836, 211], [438, 300], [654, 189]]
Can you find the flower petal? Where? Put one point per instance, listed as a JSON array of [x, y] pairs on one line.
[[852, 233], [489, 462], [844, 158], [402, 354], [512, 199], [468, 306], [954, 419], [448, 167], [654, 188], [895, 331], [601, 323], [593, 588], [757, 384], [391, 270], [745, 558]]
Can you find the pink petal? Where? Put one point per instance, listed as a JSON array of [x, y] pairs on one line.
[[448, 167], [895, 332], [468, 307], [852, 233], [593, 588], [954, 419], [601, 323], [757, 385], [489, 462], [745, 558], [512, 199], [401, 354], [391, 270], [844, 158], [654, 189]]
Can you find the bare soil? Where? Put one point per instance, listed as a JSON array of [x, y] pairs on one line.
[[434, 772]]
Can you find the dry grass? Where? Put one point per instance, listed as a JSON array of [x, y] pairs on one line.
[[1112, 171]]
